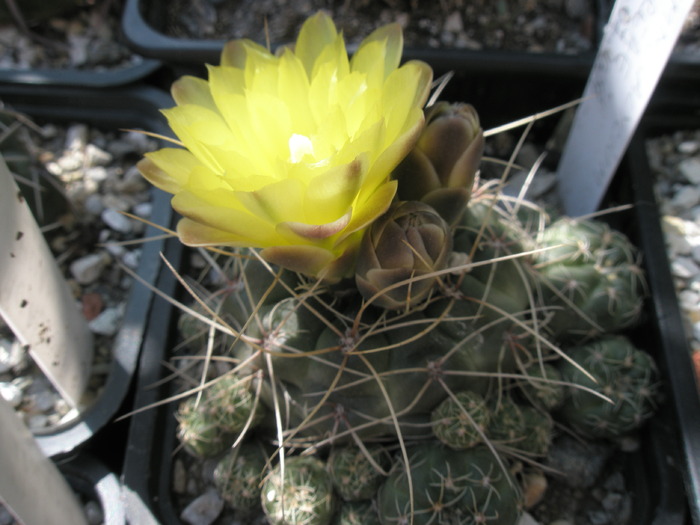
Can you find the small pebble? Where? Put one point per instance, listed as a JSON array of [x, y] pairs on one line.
[[88, 269], [116, 220], [108, 322], [93, 513], [204, 509]]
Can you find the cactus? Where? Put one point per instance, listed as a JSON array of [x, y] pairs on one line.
[[620, 372], [441, 346], [300, 493], [209, 424], [357, 473], [460, 422], [590, 278], [238, 475], [542, 386], [357, 513], [450, 486]]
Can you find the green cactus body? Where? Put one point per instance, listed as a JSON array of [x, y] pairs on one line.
[[486, 234], [357, 513], [622, 373], [333, 370], [542, 386], [460, 422], [354, 476], [198, 430], [238, 475], [590, 278], [450, 486], [507, 424], [539, 430], [520, 428], [211, 423], [302, 494]]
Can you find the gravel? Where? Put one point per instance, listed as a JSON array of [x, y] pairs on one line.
[[84, 228]]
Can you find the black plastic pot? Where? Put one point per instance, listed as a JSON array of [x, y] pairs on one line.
[[668, 451], [676, 357], [113, 110], [143, 26], [116, 77], [91, 480]]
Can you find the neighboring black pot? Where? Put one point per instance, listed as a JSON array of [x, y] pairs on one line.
[[90, 479], [82, 78], [653, 473], [143, 22], [111, 109], [676, 355]]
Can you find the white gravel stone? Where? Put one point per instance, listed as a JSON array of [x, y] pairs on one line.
[[96, 173], [689, 299], [87, 269], [132, 258], [688, 147], [204, 509], [93, 204], [684, 267], [95, 156], [686, 197], [143, 210], [12, 356], [690, 168], [11, 393], [108, 322], [116, 220]]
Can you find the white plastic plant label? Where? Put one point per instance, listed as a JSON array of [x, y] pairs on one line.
[[35, 300], [638, 40], [31, 485]]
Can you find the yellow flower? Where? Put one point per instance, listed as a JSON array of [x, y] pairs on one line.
[[291, 153]]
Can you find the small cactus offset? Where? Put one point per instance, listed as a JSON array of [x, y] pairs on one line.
[[299, 492], [397, 333], [450, 486], [590, 278], [460, 422], [625, 379], [238, 475], [357, 473]]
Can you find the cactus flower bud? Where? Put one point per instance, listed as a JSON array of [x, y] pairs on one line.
[[440, 169], [411, 240]]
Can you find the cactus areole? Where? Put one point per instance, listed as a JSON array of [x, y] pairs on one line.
[[396, 334]]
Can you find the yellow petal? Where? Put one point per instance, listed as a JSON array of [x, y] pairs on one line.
[[405, 89], [237, 52], [168, 168], [309, 260], [271, 125], [192, 233], [276, 202], [383, 46], [236, 222], [370, 61], [313, 232], [316, 33], [225, 80], [192, 90], [198, 127], [368, 210], [395, 151], [330, 194], [294, 92]]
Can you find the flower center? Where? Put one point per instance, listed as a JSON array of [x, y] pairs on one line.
[[299, 147]]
